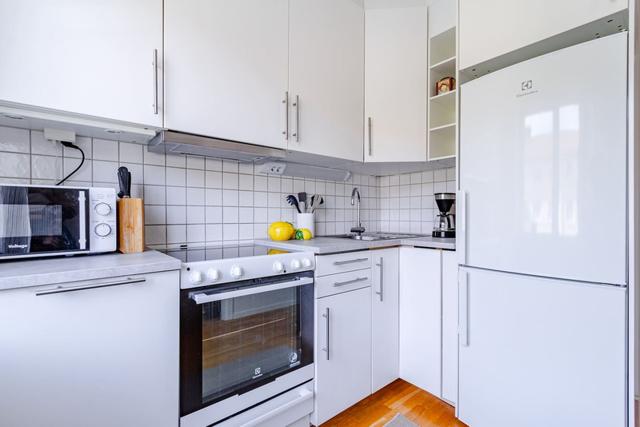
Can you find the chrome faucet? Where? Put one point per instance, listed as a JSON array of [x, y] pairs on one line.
[[358, 229]]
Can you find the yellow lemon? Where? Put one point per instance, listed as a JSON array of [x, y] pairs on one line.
[[281, 231], [306, 234]]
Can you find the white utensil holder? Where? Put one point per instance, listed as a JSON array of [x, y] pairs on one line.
[[306, 220]]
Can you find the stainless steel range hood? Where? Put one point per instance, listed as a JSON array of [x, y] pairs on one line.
[[172, 142]]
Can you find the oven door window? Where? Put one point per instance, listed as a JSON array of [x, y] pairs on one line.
[[252, 339], [40, 220]]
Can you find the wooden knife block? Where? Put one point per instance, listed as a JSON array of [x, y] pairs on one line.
[[130, 225]]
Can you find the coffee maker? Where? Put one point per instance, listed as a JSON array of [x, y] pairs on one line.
[[444, 224]]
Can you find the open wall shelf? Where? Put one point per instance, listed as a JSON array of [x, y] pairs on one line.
[[443, 107]]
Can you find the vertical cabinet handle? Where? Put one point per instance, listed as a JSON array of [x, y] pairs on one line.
[[327, 336], [369, 136], [381, 291], [155, 81], [296, 131], [285, 101], [463, 316]]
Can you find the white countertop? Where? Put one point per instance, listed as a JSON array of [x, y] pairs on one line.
[[48, 271], [327, 245]]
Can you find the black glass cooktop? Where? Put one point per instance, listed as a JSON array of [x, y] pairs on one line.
[[210, 253]]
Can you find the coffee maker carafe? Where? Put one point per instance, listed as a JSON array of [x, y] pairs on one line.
[[444, 224]]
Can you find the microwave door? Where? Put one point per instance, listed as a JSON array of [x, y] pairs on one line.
[[15, 224], [42, 220]]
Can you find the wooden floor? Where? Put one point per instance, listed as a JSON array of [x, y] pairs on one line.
[[415, 404]]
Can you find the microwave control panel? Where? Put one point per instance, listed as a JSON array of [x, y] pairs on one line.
[[102, 219]]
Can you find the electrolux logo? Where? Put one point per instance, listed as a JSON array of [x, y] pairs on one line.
[[526, 88]]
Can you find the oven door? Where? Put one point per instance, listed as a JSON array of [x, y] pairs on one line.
[[42, 220], [240, 336]]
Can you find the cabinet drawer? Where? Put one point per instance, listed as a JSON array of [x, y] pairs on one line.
[[340, 263], [343, 282]]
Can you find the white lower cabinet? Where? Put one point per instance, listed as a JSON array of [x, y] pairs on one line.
[[343, 352], [101, 353], [384, 318], [420, 318], [449, 326]]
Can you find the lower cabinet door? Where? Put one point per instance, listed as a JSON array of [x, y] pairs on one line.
[[449, 326], [384, 318], [420, 318], [540, 352], [343, 352], [101, 353]]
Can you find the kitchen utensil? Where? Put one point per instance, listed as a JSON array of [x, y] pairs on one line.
[[291, 199], [124, 181], [316, 201], [302, 198]]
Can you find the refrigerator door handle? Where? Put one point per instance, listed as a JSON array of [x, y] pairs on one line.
[[463, 311], [461, 235]]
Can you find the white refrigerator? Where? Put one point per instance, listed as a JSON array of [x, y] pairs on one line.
[[542, 240]]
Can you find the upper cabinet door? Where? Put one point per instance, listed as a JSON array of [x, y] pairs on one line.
[[396, 81], [94, 58], [226, 69], [327, 71], [484, 23]]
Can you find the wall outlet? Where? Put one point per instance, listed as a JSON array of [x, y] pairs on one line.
[[60, 135], [273, 168]]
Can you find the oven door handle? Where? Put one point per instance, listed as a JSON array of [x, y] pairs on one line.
[[203, 297]]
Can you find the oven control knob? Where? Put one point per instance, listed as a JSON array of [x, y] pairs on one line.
[[102, 229], [195, 276], [278, 267], [236, 272], [295, 264], [102, 209], [306, 262], [213, 274]]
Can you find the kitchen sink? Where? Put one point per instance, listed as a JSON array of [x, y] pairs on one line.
[[375, 236]]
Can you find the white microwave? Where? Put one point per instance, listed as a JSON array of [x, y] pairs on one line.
[[40, 220]]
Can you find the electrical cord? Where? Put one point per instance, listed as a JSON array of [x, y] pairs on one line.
[[72, 145]]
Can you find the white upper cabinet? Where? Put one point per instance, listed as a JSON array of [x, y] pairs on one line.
[[484, 24], [94, 58], [226, 69], [326, 70], [396, 81]]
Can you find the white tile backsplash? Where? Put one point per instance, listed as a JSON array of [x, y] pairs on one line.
[[191, 199], [406, 202]]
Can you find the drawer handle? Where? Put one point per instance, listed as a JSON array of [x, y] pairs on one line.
[[61, 290], [350, 261], [349, 282]]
